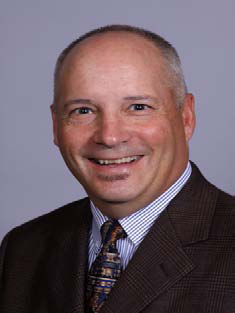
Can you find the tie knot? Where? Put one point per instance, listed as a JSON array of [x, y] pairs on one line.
[[111, 231]]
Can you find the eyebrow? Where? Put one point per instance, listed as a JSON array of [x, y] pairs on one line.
[[77, 101], [128, 98], [140, 97]]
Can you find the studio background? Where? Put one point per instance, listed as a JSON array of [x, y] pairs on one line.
[[33, 177]]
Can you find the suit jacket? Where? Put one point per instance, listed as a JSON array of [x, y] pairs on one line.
[[185, 264]]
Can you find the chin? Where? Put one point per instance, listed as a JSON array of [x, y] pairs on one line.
[[110, 197]]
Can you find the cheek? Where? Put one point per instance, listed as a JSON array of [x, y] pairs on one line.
[[157, 132], [70, 139]]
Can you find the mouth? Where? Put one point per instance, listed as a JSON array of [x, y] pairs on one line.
[[125, 160]]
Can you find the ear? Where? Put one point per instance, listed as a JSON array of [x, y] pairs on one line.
[[188, 115], [55, 124]]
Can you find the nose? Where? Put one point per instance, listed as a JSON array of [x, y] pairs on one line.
[[111, 131]]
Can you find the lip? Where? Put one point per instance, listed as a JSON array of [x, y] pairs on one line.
[[116, 157]]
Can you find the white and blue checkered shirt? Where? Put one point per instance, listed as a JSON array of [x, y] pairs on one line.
[[131, 224]]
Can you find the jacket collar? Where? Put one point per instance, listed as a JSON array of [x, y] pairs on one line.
[[191, 211]]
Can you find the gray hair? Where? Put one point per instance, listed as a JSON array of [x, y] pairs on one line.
[[174, 78]]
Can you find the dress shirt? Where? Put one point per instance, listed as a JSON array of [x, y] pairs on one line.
[[136, 225]]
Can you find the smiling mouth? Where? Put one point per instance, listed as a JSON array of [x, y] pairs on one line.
[[125, 160]]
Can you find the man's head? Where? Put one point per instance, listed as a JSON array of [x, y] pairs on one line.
[[118, 119]]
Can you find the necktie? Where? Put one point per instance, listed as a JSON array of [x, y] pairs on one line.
[[106, 268]]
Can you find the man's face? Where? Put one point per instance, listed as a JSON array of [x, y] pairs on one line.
[[117, 125]]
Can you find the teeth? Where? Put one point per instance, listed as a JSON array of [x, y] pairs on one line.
[[117, 161]]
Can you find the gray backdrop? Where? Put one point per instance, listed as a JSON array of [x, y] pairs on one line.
[[34, 179]]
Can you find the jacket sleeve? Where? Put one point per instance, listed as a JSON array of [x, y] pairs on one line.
[[2, 261]]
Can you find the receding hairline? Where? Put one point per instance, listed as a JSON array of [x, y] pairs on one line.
[[166, 51], [81, 48], [122, 34]]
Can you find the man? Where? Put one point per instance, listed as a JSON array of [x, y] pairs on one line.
[[122, 120]]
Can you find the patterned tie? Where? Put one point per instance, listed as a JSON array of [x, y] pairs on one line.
[[106, 268]]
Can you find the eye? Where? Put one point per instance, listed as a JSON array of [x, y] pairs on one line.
[[80, 115], [139, 107], [82, 110]]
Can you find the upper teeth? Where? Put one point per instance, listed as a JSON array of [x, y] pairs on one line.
[[117, 161]]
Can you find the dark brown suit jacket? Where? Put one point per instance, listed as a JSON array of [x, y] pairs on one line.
[[186, 263]]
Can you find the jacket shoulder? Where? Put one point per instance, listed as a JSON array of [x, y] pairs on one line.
[[224, 218], [57, 220]]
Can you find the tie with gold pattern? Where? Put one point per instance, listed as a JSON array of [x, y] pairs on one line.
[[106, 268]]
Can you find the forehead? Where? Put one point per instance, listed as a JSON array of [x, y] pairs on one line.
[[112, 64], [112, 49]]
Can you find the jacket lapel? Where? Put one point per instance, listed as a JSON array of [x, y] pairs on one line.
[[67, 264], [160, 261]]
